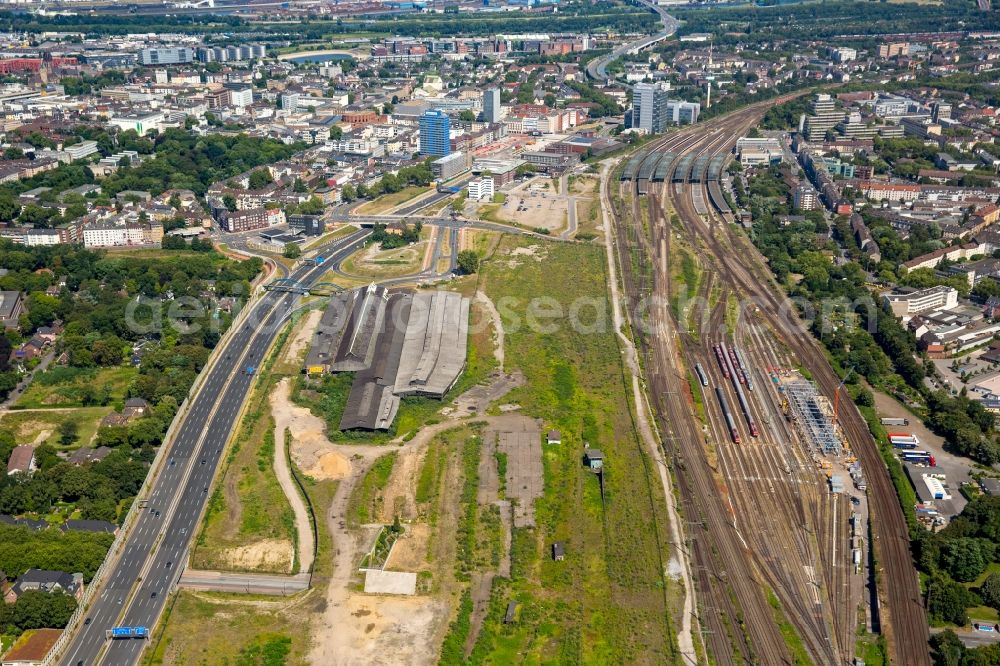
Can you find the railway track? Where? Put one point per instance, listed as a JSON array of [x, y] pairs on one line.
[[729, 586], [723, 579]]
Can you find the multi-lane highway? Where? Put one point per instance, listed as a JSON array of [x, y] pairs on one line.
[[137, 586], [598, 67]]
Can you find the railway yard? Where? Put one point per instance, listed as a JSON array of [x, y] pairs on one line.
[[780, 550]]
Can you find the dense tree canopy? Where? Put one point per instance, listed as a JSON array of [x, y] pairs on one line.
[[73, 552]]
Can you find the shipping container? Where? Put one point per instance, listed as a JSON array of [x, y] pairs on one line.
[[895, 422]]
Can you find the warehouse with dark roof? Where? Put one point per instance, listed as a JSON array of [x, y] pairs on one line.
[[396, 342]]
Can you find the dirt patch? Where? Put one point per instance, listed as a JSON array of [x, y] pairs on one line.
[[374, 262], [41, 437], [498, 334], [522, 446], [534, 251], [269, 554], [398, 494], [330, 466], [297, 346], [388, 631], [410, 551], [478, 398], [283, 473], [536, 209], [309, 443]]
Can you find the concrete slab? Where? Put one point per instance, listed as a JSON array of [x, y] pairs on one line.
[[390, 582], [525, 479]]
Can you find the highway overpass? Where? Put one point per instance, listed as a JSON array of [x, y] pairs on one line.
[[597, 68]]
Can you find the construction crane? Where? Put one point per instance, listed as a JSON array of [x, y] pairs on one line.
[[836, 394]]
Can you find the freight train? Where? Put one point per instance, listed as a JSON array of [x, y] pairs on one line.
[[738, 378], [734, 364], [734, 434], [744, 368], [745, 406], [722, 361]]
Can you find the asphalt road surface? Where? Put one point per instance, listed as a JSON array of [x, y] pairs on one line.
[[598, 67], [432, 199], [152, 559]]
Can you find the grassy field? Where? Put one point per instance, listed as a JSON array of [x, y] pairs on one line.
[[588, 207], [609, 601], [77, 387], [389, 201], [367, 500], [210, 628], [213, 628], [792, 640], [372, 263], [339, 232], [41, 425], [436, 208], [490, 213], [247, 506]]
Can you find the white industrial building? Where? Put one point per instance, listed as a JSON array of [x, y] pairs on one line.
[[139, 122], [934, 298], [481, 189], [80, 150], [754, 151], [935, 487]]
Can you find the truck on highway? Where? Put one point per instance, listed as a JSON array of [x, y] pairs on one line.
[[249, 370], [895, 422]]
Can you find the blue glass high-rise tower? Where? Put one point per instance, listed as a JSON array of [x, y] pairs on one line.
[[435, 133]]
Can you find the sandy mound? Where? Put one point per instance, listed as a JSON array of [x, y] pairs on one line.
[[276, 554], [330, 466]]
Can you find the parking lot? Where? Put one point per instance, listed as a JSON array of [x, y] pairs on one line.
[[955, 468]]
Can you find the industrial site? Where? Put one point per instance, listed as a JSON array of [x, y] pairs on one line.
[[397, 343], [776, 502]]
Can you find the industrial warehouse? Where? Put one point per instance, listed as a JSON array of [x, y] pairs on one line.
[[397, 342]]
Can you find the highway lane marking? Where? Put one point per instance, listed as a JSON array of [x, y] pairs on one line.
[[183, 441], [150, 558]]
